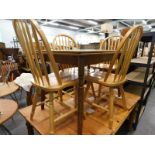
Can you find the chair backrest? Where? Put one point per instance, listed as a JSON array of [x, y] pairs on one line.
[[28, 33], [110, 43], [6, 67], [64, 42], [124, 53]]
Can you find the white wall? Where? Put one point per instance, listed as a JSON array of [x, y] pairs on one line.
[[7, 33], [82, 38]]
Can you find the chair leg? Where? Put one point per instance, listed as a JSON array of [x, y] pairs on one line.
[[119, 92], [99, 90], [123, 97], [111, 107], [60, 95], [51, 113], [92, 87], [86, 90], [34, 103]]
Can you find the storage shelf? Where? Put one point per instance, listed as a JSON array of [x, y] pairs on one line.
[[138, 77], [143, 69], [137, 90], [145, 66], [142, 61]]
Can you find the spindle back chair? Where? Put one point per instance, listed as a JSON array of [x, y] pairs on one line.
[[28, 33], [123, 55]]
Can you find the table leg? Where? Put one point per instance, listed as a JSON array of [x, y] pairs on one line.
[[29, 97], [29, 128], [80, 94], [29, 102]]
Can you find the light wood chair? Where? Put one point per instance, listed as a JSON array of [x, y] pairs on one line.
[[7, 69], [109, 43], [123, 55], [63, 42], [26, 31]]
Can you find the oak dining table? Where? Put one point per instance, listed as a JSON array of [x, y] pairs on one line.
[[80, 58]]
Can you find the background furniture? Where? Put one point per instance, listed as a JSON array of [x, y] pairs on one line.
[[8, 89], [141, 73], [7, 109], [90, 46], [5, 52]]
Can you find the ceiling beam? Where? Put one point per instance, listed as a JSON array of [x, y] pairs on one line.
[[124, 23]]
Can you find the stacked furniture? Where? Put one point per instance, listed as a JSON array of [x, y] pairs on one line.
[[141, 75], [70, 117]]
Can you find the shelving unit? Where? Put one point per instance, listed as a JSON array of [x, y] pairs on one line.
[[141, 76]]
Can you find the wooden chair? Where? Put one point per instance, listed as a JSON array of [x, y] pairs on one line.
[[123, 55], [109, 43], [63, 42], [7, 71], [52, 83]]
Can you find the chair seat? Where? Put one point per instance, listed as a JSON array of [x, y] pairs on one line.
[[99, 76], [69, 77], [103, 66]]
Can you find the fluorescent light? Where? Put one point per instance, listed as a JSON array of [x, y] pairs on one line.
[[144, 22], [101, 33], [116, 30], [73, 27], [44, 23], [149, 26], [92, 22], [90, 31], [52, 23]]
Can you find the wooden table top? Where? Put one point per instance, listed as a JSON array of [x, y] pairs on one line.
[[82, 52], [94, 124], [7, 89], [7, 109]]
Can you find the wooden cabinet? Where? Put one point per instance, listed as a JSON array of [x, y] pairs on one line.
[[90, 46], [5, 52]]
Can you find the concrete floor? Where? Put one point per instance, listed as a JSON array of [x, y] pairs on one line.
[[146, 124]]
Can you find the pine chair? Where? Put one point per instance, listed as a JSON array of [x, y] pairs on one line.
[[123, 56], [7, 69], [63, 42], [27, 32], [109, 43]]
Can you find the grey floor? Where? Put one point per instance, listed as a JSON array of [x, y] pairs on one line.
[[146, 125]]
